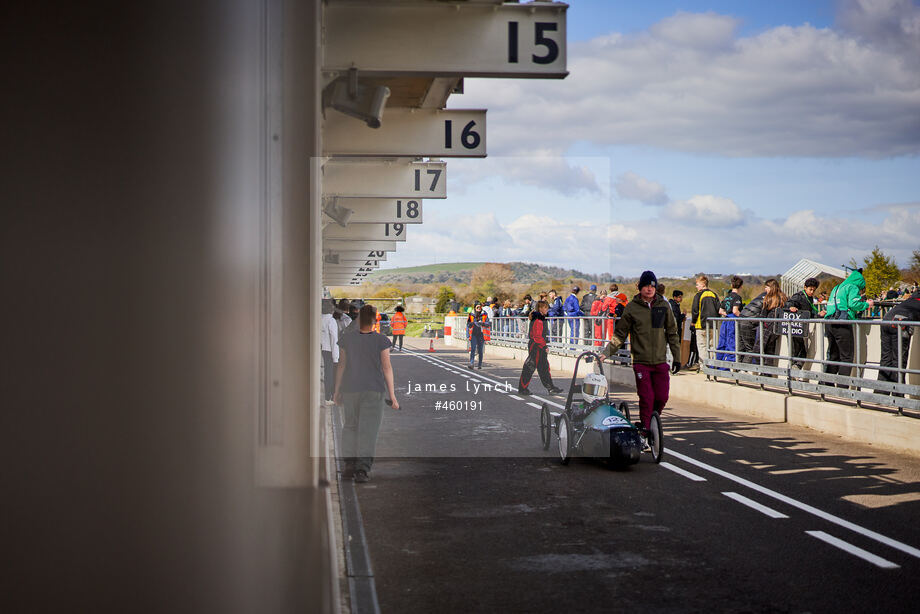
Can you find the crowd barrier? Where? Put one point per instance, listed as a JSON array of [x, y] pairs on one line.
[[856, 380], [567, 336], [804, 375]]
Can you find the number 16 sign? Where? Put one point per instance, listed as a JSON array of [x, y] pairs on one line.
[[445, 133]]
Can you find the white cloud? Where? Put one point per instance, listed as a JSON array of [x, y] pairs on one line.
[[711, 211], [690, 83], [667, 244], [633, 187], [542, 169]]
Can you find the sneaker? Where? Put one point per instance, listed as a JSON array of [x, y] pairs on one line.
[[361, 476], [524, 392], [643, 442], [479, 367], [554, 390], [470, 366]]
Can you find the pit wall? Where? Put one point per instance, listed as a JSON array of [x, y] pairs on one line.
[[889, 431]]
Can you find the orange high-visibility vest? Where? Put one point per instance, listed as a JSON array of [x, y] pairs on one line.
[[398, 323], [377, 323]]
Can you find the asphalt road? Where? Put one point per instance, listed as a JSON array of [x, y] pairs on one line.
[[466, 512]]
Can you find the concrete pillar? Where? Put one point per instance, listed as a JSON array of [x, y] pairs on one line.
[[133, 250]]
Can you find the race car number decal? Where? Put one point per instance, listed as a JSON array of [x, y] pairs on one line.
[[614, 421]]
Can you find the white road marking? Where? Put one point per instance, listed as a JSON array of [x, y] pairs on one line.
[[535, 405], [803, 506], [855, 551], [712, 451], [515, 397], [683, 472], [763, 509]]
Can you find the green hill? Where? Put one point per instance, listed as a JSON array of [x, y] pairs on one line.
[[462, 272]]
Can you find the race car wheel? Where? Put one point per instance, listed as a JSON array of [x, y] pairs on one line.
[[656, 437], [565, 439], [624, 409], [546, 427]]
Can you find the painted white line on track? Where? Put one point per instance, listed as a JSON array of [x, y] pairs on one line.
[[683, 472], [535, 405], [763, 509], [855, 551], [802, 506], [516, 398]]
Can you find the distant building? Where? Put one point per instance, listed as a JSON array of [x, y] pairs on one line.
[[420, 304]]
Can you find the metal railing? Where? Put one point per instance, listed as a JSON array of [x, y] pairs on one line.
[[759, 356], [763, 363], [568, 336]]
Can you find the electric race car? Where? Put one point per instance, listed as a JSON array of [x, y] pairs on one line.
[[590, 426]]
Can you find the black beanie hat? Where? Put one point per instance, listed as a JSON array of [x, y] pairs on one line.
[[647, 279]]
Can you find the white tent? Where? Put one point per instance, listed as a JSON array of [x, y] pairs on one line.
[[793, 280]]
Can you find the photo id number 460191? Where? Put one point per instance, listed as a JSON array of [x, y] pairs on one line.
[[458, 406]]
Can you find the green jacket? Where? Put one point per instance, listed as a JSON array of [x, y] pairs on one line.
[[846, 297], [650, 331]]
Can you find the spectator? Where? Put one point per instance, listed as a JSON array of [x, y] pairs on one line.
[[616, 304], [353, 308], [733, 302], [527, 306], [748, 330], [599, 308], [773, 304], [803, 303], [344, 307], [844, 304], [676, 297], [588, 300], [650, 325], [536, 352], [572, 309], [705, 305], [475, 323], [891, 294], [329, 349], [555, 316], [363, 379], [489, 308], [343, 320], [506, 312], [907, 310], [398, 327]]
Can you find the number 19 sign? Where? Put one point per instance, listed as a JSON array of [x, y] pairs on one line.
[[445, 133]]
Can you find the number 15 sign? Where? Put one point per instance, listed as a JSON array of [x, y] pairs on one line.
[[472, 39], [445, 133]]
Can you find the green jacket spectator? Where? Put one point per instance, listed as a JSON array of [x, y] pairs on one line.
[[845, 302], [651, 329]]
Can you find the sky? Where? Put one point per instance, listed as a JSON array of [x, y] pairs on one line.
[[720, 136]]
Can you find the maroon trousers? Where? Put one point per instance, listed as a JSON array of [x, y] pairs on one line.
[[653, 385]]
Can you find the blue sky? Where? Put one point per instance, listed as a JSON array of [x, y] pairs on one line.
[[714, 136]]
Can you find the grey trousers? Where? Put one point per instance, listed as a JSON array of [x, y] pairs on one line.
[[703, 343], [362, 416]]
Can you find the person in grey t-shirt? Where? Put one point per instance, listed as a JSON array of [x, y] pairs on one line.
[[362, 382]]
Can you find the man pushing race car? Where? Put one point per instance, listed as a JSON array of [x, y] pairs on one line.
[[649, 323]]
